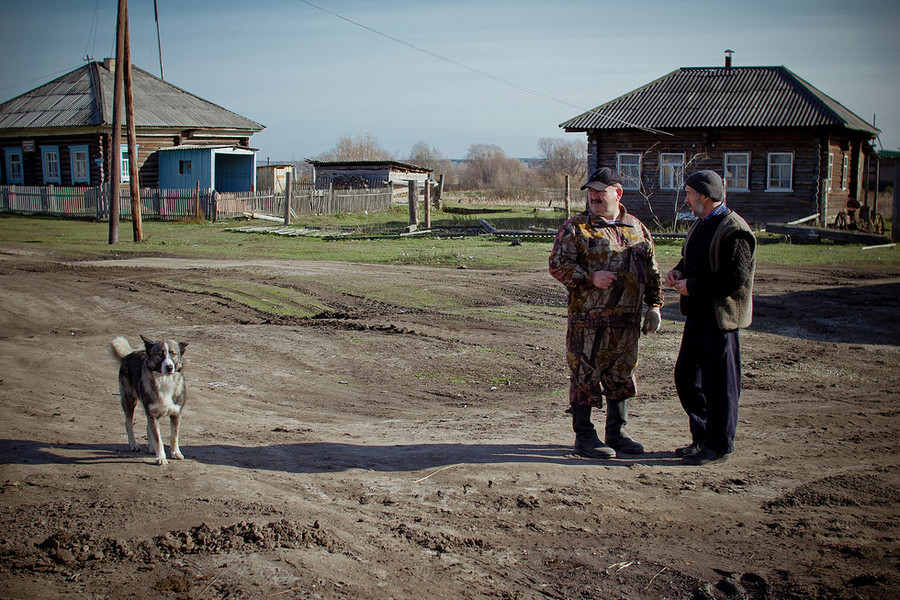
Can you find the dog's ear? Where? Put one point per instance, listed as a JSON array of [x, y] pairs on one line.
[[147, 343], [182, 346]]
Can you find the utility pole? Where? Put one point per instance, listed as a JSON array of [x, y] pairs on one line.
[[158, 39], [133, 175], [115, 152]]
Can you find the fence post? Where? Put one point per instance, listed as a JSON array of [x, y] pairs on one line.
[[823, 203], [413, 205], [440, 192], [214, 211], [895, 220], [197, 214], [427, 204], [288, 184]]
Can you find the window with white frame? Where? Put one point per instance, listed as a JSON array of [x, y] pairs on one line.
[[830, 174], [737, 171], [79, 160], [780, 172], [14, 172], [125, 173], [629, 167], [671, 170], [845, 172], [50, 164]]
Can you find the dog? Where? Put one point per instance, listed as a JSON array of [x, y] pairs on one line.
[[152, 376]]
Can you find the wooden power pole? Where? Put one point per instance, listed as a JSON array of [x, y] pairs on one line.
[[115, 152], [133, 175]]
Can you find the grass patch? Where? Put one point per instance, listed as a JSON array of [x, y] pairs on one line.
[[273, 300], [72, 239]]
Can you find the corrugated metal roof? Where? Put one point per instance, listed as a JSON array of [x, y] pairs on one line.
[[375, 164], [708, 97], [84, 97]]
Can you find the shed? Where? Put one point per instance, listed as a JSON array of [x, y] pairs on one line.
[[786, 149], [223, 168], [370, 174], [273, 176]]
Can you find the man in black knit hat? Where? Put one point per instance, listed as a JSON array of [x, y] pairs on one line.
[[715, 281]]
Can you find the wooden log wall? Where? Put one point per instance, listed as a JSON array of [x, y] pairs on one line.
[[706, 150]]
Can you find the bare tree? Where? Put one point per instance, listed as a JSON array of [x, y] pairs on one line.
[[423, 155], [488, 166], [646, 192], [362, 147], [561, 158]]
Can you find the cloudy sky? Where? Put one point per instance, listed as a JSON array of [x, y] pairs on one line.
[[458, 72]]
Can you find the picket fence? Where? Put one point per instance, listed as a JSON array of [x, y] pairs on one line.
[[156, 204]]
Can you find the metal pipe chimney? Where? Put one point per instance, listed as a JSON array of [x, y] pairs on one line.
[[728, 54]]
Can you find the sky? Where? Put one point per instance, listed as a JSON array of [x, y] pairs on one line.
[[453, 73]]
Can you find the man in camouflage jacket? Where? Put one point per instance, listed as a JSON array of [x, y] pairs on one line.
[[606, 259]]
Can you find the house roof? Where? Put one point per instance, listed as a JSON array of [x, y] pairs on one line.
[[84, 98], [705, 97], [370, 164]]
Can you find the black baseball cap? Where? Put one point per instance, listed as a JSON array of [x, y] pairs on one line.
[[602, 178]]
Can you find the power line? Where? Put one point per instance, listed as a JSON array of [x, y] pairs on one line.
[[479, 72]]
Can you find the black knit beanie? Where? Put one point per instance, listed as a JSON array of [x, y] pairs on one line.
[[707, 183]]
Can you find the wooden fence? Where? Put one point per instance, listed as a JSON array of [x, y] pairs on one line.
[[156, 204]]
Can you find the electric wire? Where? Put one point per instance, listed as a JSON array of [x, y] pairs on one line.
[[481, 73]]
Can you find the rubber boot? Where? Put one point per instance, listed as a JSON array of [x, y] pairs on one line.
[[616, 419], [587, 442]]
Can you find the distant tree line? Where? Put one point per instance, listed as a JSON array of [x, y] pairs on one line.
[[485, 166]]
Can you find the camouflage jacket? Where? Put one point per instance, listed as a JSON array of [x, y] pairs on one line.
[[587, 243]]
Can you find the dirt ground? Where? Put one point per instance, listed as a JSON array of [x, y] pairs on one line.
[[379, 450]]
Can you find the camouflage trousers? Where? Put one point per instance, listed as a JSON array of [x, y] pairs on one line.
[[602, 361]]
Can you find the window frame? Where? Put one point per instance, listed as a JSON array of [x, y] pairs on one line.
[[770, 164], [73, 157], [729, 184], [9, 153], [677, 171], [845, 172], [124, 167], [49, 162], [629, 182], [830, 171]]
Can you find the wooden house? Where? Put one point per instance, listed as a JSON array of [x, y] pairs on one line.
[[786, 149], [357, 174], [61, 134]]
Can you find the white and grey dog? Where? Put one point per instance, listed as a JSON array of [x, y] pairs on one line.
[[154, 377]]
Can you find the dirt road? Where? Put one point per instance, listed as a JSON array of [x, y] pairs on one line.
[[409, 440]]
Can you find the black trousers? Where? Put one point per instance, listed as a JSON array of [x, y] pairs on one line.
[[708, 380]]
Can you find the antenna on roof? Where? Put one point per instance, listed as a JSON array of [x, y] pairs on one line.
[[728, 54], [158, 39]]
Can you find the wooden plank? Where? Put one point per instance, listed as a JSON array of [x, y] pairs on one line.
[[815, 233]]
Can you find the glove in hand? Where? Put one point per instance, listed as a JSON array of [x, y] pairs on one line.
[[652, 320]]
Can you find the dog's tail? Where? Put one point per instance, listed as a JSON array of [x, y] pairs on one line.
[[120, 348]]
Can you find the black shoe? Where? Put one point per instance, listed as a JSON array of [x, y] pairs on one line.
[[705, 457], [691, 450], [597, 450], [626, 445]]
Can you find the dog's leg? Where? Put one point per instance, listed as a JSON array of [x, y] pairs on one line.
[[128, 404], [174, 422], [156, 444]]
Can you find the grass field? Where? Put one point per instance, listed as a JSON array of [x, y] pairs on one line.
[[380, 244]]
